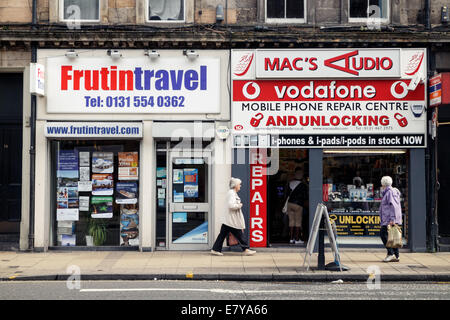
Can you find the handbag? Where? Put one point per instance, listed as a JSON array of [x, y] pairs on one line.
[[232, 241], [394, 237]]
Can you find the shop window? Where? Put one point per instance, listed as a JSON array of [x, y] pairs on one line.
[[285, 11], [280, 229], [362, 10], [352, 191], [80, 10], [165, 10], [96, 193]]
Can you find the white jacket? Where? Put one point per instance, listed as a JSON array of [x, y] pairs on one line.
[[233, 213]]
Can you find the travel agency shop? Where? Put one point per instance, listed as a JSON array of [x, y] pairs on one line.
[[345, 118], [130, 147]]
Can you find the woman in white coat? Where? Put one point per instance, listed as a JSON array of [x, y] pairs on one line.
[[234, 221]]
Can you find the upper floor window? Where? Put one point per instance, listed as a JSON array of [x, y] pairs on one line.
[[362, 10], [285, 11], [166, 10], [80, 10]]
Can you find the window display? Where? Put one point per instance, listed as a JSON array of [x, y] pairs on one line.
[[352, 190], [96, 198], [161, 185], [277, 190]]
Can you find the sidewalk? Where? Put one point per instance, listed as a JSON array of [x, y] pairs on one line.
[[266, 265]]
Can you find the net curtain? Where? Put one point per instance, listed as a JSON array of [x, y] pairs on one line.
[[165, 9]]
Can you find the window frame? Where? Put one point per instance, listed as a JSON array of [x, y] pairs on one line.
[[364, 20], [286, 20], [147, 18], [61, 14]]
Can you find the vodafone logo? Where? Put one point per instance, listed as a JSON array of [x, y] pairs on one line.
[[403, 87], [252, 93]]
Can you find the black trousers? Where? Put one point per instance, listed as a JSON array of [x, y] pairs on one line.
[[384, 238], [224, 231]]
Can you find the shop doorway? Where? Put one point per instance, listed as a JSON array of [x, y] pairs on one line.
[[279, 229], [183, 182], [11, 91]]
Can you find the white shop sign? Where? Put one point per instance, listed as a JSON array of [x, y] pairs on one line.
[[389, 109], [93, 130], [328, 107], [133, 85], [328, 63], [37, 79]]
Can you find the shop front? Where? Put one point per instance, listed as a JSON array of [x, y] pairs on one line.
[[336, 120], [125, 145]]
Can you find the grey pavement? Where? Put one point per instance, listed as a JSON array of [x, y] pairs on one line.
[[266, 265]]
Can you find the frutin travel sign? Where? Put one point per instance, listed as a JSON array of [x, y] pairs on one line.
[[172, 85]]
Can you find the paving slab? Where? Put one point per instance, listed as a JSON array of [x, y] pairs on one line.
[[266, 265]]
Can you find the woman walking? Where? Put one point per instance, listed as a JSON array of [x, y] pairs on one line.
[[390, 214], [234, 221]]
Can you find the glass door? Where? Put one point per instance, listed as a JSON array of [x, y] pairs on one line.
[[189, 197]]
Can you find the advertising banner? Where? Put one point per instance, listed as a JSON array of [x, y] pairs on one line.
[[93, 130], [67, 214], [170, 85], [128, 165], [338, 107], [330, 97], [126, 193], [197, 235], [360, 63], [129, 226], [102, 207], [102, 184], [190, 183], [258, 199], [343, 63], [102, 162], [357, 224], [37, 79], [68, 160]]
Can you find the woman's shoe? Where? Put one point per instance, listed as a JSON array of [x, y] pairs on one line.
[[390, 258], [292, 241], [249, 252], [216, 253]]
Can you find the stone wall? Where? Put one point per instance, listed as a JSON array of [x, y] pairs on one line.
[[242, 12]]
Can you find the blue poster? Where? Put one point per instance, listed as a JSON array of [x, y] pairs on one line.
[[179, 217], [67, 164], [68, 160], [126, 192]]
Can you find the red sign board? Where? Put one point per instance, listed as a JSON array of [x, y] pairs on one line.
[[258, 198], [439, 89]]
